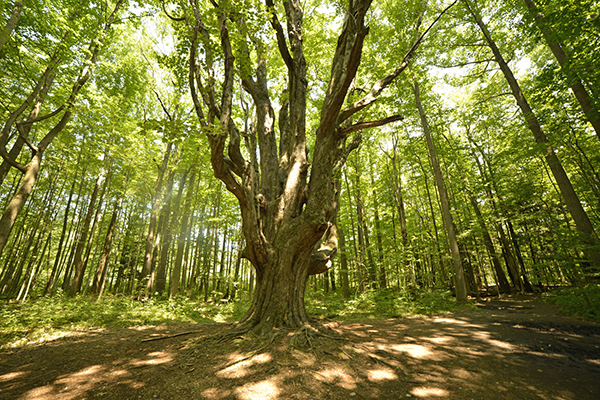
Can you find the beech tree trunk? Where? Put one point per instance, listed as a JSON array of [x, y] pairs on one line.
[[182, 238], [11, 23], [79, 262], [152, 226], [287, 204], [459, 275]]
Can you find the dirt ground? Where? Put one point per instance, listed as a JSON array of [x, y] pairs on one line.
[[511, 348]]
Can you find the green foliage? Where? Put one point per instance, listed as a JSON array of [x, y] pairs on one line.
[[47, 318], [580, 301], [378, 304]]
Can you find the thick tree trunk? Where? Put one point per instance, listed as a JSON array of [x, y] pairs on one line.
[[578, 213], [459, 275], [7, 220], [279, 293]]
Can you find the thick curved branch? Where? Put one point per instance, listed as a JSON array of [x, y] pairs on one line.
[[384, 82], [281, 42], [12, 162], [43, 117], [178, 19]]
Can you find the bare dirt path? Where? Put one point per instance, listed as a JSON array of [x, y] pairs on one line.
[[511, 348]]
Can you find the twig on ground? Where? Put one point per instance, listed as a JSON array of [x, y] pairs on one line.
[[169, 336]]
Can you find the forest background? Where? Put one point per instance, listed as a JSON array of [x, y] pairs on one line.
[[108, 191]]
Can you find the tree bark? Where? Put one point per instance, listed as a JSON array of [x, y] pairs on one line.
[[100, 275], [459, 275], [343, 264]]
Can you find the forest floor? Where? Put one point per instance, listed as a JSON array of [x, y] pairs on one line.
[[514, 347]]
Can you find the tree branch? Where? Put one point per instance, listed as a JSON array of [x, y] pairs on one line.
[[162, 3], [281, 43], [43, 117], [494, 96], [369, 124], [382, 83]]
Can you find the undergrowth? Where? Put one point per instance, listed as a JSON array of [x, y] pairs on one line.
[[45, 319], [580, 301], [380, 304]]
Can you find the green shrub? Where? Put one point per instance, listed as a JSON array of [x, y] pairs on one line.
[[580, 301]]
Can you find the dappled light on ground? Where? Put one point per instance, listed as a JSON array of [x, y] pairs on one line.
[[241, 368], [504, 352]]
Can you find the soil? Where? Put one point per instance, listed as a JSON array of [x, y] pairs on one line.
[[516, 347]]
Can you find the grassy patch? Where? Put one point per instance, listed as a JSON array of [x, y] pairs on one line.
[[44, 318], [381, 304], [583, 302], [49, 318]]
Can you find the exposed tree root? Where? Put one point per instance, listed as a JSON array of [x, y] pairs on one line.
[[308, 337]]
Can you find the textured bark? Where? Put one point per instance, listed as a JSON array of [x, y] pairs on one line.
[[459, 275], [578, 213]]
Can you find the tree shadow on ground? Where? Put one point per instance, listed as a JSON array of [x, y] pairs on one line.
[[509, 349]]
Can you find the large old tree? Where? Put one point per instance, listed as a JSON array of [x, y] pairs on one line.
[[288, 201]]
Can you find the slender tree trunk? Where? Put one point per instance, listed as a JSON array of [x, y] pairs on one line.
[[581, 94], [378, 235], [26, 128], [63, 234], [151, 237], [459, 275], [166, 236], [578, 213], [79, 262], [343, 264], [100, 275], [182, 238], [11, 23]]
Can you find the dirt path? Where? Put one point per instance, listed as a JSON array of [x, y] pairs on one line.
[[512, 348]]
